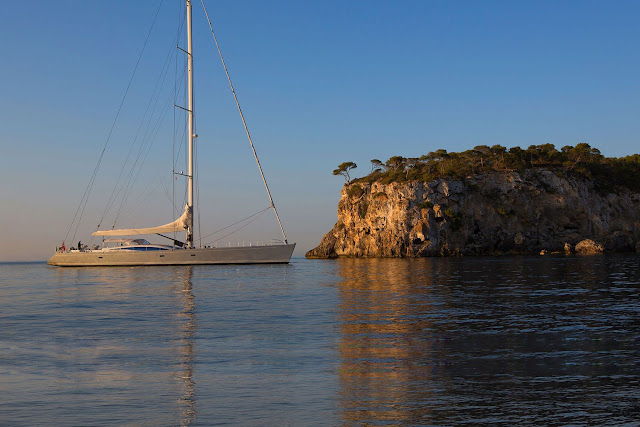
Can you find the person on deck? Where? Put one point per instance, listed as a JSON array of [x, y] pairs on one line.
[[79, 245], [64, 249]]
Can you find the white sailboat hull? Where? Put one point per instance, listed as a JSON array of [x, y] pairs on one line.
[[135, 252], [272, 254]]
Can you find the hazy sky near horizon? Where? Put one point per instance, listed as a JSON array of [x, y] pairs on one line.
[[320, 82]]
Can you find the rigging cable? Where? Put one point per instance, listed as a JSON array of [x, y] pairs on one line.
[[197, 181], [257, 215], [131, 179], [87, 192], [244, 123], [128, 183], [148, 138], [114, 194], [173, 146], [144, 195]]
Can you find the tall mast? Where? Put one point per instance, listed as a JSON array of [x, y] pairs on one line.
[[191, 130]]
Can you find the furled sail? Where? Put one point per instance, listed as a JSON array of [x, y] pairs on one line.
[[180, 224]]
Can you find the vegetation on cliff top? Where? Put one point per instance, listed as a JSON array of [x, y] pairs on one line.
[[581, 160]]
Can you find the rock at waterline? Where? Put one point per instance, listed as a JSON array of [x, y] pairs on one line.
[[587, 247]]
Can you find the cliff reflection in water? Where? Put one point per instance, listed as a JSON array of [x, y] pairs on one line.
[[545, 339], [387, 347]]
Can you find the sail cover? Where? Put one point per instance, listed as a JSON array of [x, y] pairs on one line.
[[180, 224]]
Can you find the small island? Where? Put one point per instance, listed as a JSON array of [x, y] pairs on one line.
[[488, 201]]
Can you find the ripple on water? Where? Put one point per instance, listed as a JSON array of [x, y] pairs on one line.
[[540, 340]]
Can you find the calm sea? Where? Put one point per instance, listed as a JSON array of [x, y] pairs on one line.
[[525, 340]]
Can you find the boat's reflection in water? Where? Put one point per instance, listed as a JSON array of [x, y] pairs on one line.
[[124, 333], [189, 327], [387, 350]]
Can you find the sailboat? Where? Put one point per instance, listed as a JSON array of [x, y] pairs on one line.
[[124, 247]]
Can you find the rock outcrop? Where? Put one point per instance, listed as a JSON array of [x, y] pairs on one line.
[[486, 214], [588, 247]]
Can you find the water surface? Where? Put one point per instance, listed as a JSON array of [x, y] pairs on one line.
[[546, 340]]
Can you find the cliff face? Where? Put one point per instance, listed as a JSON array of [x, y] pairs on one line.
[[494, 213]]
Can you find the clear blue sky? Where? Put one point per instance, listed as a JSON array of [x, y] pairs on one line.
[[320, 83]]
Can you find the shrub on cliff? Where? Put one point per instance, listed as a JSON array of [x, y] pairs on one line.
[[582, 160], [355, 191]]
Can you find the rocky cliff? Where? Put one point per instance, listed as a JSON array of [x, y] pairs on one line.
[[485, 214]]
